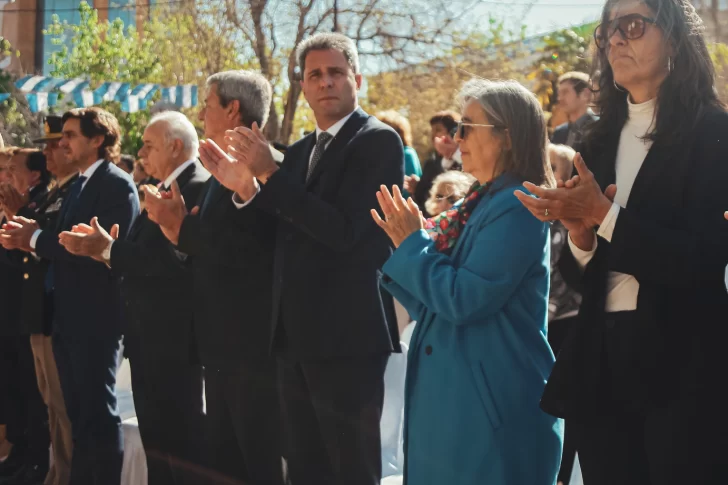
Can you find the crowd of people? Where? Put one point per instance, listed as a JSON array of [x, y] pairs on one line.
[[254, 291]]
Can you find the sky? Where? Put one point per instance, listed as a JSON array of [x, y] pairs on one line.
[[545, 15]]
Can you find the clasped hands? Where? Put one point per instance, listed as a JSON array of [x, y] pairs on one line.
[[578, 203]]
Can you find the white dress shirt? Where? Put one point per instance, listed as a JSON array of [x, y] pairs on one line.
[[622, 289], [176, 173], [333, 131], [88, 173]]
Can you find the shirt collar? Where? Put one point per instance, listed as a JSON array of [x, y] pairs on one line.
[[177, 171], [88, 173], [64, 180], [336, 127]]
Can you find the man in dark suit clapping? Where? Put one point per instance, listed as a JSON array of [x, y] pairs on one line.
[[331, 326], [87, 321], [158, 295], [231, 253]]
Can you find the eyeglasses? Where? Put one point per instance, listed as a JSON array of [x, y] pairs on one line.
[[462, 130], [630, 27], [450, 198]]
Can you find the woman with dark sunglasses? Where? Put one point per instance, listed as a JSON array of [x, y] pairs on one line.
[[475, 278], [640, 379]]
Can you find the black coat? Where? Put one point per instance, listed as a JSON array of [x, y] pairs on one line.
[[328, 248], [15, 276], [231, 252], [673, 239], [157, 283], [86, 294]]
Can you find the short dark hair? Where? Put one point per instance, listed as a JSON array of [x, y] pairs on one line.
[[127, 161], [98, 122], [35, 161], [328, 41], [578, 80], [448, 118]]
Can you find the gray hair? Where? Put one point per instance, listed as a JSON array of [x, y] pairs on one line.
[[249, 88], [519, 118], [328, 41], [459, 181], [178, 127]]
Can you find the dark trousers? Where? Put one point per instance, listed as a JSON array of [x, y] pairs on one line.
[[627, 442], [557, 333], [332, 409], [87, 370], [243, 426], [26, 415], [168, 403]]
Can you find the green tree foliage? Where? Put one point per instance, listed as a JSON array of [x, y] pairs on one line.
[[563, 51], [106, 51], [719, 54], [174, 47]]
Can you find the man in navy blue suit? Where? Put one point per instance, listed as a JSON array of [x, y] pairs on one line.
[[87, 319], [331, 326]]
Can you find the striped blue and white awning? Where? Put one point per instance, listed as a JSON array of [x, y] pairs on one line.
[[42, 92]]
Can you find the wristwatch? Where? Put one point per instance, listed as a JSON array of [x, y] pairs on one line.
[[106, 253]]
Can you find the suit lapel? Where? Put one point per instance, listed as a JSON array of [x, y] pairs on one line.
[[186, 176], [347, 132], [665, 167], [601, 160], [301, 168], [90, 192]]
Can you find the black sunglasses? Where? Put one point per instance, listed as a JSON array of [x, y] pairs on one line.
[[464, 128], [450, 198], [630, 27]]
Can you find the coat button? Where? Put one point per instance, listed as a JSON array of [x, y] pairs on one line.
[[428, 350], [25, 259], [26, 276], [278, 212]]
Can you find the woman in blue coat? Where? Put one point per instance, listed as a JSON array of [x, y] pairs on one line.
[[476, 279]]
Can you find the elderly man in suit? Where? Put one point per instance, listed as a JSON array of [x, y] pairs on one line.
[[87, 320], [158, 295], [231, 253], [327, 255]]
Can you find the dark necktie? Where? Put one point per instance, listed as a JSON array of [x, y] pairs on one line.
[[69, 205], [318, 152]]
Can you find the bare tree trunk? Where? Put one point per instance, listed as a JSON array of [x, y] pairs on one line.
[[289, 112]]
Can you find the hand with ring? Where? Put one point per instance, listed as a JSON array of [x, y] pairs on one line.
[[578, 203]]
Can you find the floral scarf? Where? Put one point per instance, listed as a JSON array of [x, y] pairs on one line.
[[445, 229]]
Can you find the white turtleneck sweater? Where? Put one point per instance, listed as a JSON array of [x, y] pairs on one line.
[[622, 289]]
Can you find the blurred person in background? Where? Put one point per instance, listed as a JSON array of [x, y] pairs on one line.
[[402, 126]]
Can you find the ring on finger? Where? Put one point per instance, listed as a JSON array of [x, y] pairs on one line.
[[546, 213]]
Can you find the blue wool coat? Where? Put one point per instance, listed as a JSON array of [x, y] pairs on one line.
[[479, 358]]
